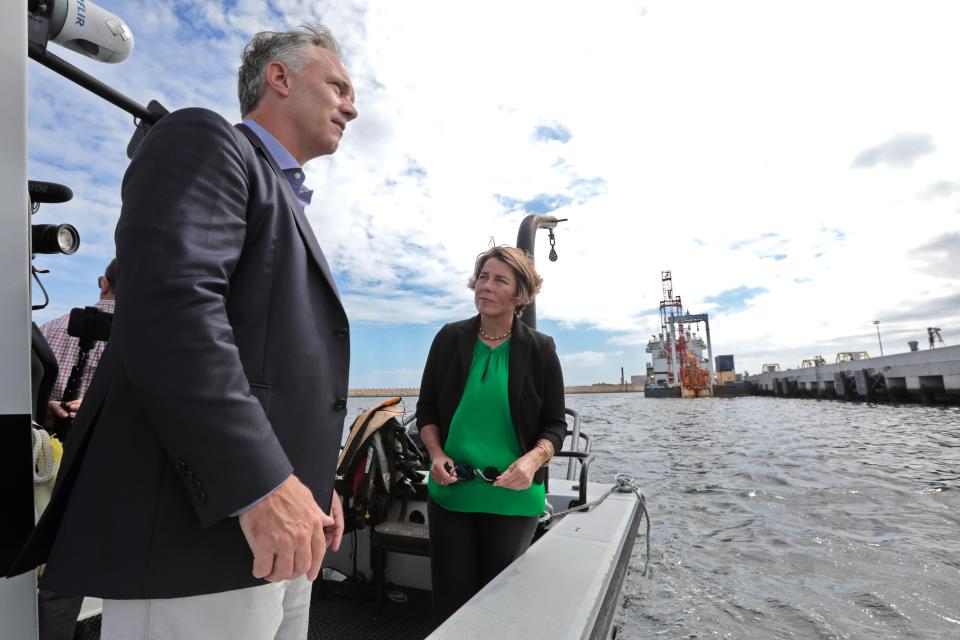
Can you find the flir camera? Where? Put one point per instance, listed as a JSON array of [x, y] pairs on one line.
[[81, 26]]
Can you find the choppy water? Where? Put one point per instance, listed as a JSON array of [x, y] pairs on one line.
[[776, 518]]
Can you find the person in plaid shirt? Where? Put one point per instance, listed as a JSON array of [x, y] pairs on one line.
[[66, 348]]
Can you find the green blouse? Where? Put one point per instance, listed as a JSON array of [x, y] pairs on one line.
[[482, 435]]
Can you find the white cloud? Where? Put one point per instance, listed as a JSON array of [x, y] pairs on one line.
[[941, 256], [709, 124], [899, 152], [940, 189]]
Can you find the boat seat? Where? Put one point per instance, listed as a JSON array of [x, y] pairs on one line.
[[403, 537], [412, 538]]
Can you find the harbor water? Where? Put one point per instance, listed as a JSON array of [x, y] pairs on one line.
[[777, 518]]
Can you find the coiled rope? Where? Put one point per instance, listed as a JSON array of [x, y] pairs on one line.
[[622, 484], [44, 466]]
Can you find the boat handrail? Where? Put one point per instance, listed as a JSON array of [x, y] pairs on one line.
[[575, 436], [585, 459]]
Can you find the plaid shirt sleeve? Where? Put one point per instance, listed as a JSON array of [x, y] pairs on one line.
[[65, 348]]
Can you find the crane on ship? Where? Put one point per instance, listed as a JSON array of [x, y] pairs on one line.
[[678, 368]]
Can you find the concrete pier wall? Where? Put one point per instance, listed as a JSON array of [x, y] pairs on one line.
[[932, 375]]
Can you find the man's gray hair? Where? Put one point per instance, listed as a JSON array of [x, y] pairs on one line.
[[292, 48]]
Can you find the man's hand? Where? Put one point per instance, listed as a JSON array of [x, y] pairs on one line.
[[285, 531], [57, 410], [333, 533]]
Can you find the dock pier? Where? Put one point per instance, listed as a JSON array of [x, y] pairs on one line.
[[931, 376]]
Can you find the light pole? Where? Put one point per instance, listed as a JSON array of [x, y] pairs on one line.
[[877, 323]]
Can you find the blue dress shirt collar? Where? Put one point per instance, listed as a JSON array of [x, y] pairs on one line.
[[287, 163]]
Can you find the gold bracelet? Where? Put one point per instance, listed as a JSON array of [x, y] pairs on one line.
[[547, 449]]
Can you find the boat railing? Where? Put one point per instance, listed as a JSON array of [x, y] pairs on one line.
[[585, 459], [575, 437]]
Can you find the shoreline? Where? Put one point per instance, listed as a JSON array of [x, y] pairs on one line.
[[415, 391]]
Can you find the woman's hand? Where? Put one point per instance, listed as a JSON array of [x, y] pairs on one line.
[[519, 475], [437, 471], [430, 435]]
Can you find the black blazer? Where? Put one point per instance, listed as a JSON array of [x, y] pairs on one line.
[[534, 387], [226, 370]]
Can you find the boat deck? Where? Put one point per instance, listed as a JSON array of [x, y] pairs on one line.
[[340, 611], [351, 614], [575, 572]]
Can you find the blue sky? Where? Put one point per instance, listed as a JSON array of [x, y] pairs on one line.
[[796, 168]]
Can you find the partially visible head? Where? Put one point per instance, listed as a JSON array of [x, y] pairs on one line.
[[108, 281], [528, 281], [294, 84], [292, 48]]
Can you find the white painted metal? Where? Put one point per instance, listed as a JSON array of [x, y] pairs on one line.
[[14, 219], [18, 607], [556, 589], [713, 378], [566, 573], [18, 601]]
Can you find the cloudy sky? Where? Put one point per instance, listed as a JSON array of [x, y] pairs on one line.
[[795, 165]]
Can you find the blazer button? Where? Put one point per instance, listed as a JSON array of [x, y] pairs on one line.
[[340, 404], [200, 497], [187, 475], [181, 466], [341, 333]]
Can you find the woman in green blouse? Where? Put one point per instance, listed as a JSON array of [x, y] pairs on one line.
[[491, 414]]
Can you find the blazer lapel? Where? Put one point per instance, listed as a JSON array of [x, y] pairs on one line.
[[466, 343], [519, 361], [296, 208]]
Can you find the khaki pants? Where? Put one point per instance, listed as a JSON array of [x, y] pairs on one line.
[[276, 611]]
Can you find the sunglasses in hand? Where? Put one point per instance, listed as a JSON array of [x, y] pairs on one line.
[[466, 473]]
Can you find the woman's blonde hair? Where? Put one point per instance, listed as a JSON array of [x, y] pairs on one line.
[[528, 280]]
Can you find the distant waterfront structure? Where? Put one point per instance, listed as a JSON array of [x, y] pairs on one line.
[[925, 376], [413, 392], [384, 392]]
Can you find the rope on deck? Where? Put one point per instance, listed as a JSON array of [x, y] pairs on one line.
[[622, 484]]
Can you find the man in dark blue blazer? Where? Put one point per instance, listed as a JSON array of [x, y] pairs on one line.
[[196, 494]]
